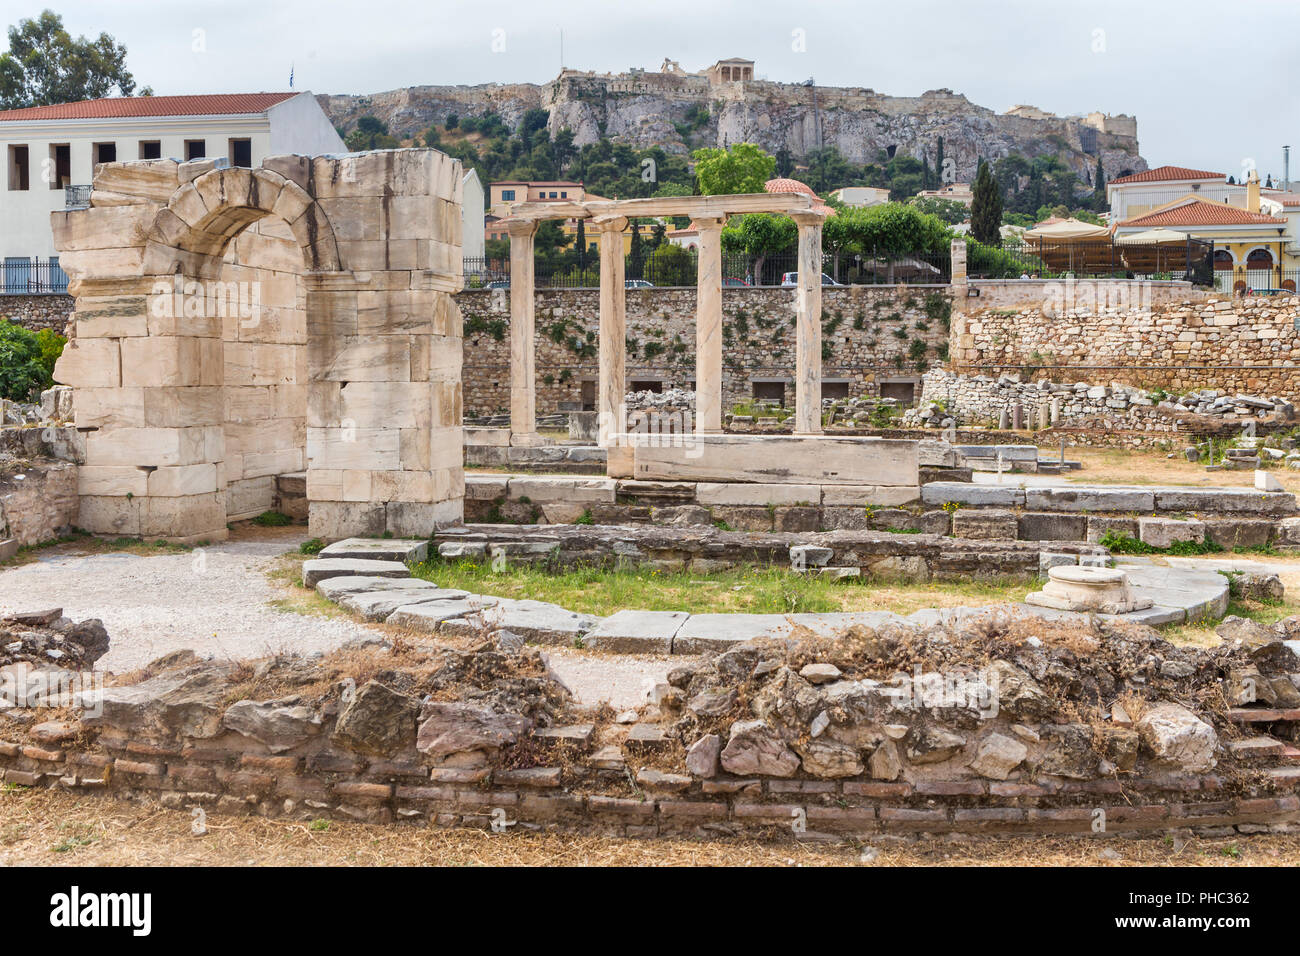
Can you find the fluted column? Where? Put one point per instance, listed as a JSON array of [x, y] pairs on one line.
[[708, 328], [611, 412], [523, 345], [808, 326]]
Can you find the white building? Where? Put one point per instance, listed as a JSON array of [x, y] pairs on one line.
[[1136, 195], [47, 149], [862, 196], [473, 237]]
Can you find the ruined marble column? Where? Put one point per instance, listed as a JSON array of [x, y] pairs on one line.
[[708, 328], [611, 405], [523, 346], [808, 326]]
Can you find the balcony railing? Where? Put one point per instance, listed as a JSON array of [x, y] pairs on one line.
[[23, 276], [76, 197]]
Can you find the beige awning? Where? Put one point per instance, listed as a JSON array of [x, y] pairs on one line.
[[1067, 229], [1154, 237]]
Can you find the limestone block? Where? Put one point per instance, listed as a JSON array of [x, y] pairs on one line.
[[89, 363], [248, 497], [486, 487], [97, 407], [180, 407], [1089, 499], [1225, 499], [108, 227], [1048, 526], [985, 524], [150, 446], [332, 520], [740, 493], [1162, 532], [964, 493], [174, 481], [882, 496], [542, 490], [278, 462], [354, 448], [1098, 526], [357, 359], [779, 460], [154, 179], [111, 480], [251, 363], [109, 514], [171, 360], [186, 517]]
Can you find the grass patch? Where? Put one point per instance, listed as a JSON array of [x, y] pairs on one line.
[[753, 590], [1117, 542], [272, 519], [313, 546]]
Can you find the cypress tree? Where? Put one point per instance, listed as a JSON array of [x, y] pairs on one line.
[[986, 208]]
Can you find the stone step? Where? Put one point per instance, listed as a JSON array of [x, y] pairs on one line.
[[1263, 746], [1262, 715], [320, 569], [379, 549]]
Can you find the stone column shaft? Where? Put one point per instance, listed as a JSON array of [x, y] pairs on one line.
[[808, 327], [523, 345], [708, 328], [611, 405]]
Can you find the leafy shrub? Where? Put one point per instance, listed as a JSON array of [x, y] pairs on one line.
[[27, 360]]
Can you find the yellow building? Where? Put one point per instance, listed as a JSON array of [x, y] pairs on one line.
[[1253, 249], [503, 195]]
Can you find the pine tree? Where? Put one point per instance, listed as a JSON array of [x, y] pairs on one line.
[[986, 208], [636, 253], [938, 162]]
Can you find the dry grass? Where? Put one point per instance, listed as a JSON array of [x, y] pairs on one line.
[[47, 828], [1121, 466]]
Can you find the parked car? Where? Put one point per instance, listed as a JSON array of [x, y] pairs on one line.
[[736, 281], [638, 284], [498, 284], [1271, 292], [791, 279]]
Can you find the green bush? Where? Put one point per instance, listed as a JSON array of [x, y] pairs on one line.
[[27, 360]]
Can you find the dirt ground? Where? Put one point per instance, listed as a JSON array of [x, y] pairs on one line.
[[48, 828], [1118, 466]]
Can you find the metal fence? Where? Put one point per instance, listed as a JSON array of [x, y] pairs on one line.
[[1190, 260], [1275, 281], [24, 276], [679, 266]]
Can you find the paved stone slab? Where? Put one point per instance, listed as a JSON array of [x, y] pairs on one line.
[[333, 589], [882, 496], [1224, 499], [487, 487], [832, 623], [1162, 532], [535, 621], [379, 549], [741, 493], [378, 605], [1089, 499], [317, 570], [1201, 594], [941, 492], [710, 633], [430, 616], [637, 632], [541, 489], [1009, 452]]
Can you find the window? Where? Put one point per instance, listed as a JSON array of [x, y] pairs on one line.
[[60, 165], [554, 195], [150, 149], [19, 168], [507, 195], [564, 194], [105, 153], [241, 153], [835, 390], [195, 149]]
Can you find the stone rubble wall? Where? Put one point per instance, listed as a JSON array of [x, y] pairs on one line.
[[976, 399], [36, 312], [867, 332], [38, 501], [1245, 345]]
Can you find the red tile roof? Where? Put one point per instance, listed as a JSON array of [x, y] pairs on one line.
[[1202, 212], [1165, 173], [121, 107], [788, 186]]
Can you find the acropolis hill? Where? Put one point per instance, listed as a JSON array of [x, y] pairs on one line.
[[641, 108]]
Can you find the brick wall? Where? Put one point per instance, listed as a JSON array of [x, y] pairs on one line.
[[868, 334]]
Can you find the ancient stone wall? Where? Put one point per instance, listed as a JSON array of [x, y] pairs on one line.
[[869, 334], [37, 312], [1238, 345], [38, 501]]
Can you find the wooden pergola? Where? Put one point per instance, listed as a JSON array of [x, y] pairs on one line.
[[609, 218]]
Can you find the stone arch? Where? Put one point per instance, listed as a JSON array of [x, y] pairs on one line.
[[372, 356]]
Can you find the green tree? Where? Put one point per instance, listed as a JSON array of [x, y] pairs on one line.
[[760, 235], [45, 65], [26, 360], [949, 210], [370, 133], [636, 253], [742, 168], [452, 121], [1099, 202], [986, 208]]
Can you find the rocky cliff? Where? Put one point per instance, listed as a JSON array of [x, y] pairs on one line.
[[651, 109]]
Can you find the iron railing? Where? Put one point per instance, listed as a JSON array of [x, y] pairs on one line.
[[22, 276], [76, 197], [1191, 260], [678, 266]]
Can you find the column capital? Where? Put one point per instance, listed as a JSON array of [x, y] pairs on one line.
[[608, 223], [710, 223], [807, 218], [521, 228]]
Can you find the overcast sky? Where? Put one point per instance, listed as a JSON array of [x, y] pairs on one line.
[[1213, 84]]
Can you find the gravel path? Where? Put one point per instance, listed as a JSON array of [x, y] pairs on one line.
[[213, 600]]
